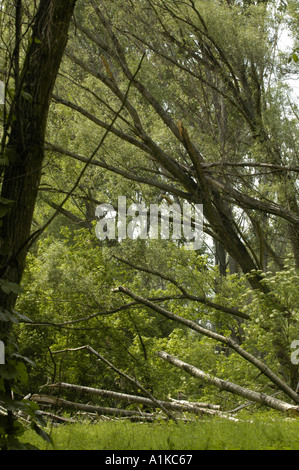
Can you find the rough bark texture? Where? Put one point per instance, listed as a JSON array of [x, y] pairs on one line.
[[217, 337], [25, 148], [27, 134]]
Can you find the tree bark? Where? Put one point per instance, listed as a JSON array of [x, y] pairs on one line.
[[25, 151], [25, 145], [217, 337], [175, 406], [129, 399], [103, 410], [257, 397]]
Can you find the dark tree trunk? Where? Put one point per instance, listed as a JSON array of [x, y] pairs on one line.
[[25, 150], [220, 257], [26, 140]]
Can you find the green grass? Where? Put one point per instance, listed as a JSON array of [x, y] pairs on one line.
[[213, 434]]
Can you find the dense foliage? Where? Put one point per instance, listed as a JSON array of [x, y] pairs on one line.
[[158, 101]]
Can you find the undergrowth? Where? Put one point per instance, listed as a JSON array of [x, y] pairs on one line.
[[257, 433]]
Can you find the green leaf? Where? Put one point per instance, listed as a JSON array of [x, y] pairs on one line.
[[22, 373], [6, 316], [27, 96], [4, 206], [10, 287], [24, 358], [23, 317], [42, 433]]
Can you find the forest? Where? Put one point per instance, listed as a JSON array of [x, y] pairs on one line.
[[149, 216]]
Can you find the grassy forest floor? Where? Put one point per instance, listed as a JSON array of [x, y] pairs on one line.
[[257, 433]]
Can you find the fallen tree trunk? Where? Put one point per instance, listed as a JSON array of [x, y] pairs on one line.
[[102, 410], [257, 397], [57, 418], [217, 337], [175, 405], [126, 376]]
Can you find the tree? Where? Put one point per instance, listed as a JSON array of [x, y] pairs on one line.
[[33, 69], [203, 120]]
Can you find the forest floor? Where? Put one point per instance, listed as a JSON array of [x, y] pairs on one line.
[[254, 433]]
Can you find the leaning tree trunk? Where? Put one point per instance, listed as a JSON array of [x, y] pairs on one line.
[[283, 386], [25, 146]]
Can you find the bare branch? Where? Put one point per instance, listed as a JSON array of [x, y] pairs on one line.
[[102, 164], [36, 234], [135, 382], [186, 295], [217, 337]]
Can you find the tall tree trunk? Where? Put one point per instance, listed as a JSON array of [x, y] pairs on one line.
[[25, 148], [220, 257], [26, 141]]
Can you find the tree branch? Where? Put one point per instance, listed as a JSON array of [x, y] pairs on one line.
[[217, 337], [186, 295], [257, 397], [135, 382], [36, 234]]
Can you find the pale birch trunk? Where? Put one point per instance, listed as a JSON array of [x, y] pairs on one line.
[[251, 395]]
